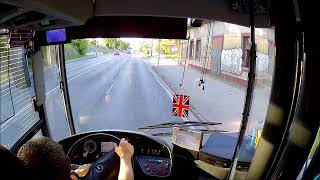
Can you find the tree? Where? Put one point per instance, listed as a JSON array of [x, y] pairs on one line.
[[81, 45], [93, 42], [113, 43], [145, 48], [110, 43], [166, 44], [124, 45]]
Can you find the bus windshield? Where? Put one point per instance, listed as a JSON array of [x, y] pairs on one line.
[[129, 83]]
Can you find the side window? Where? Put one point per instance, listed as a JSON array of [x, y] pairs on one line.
[[17, 90], [54, 97]]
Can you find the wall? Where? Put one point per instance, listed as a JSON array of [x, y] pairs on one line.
[[230, 60], [216, 53], [231, 56]]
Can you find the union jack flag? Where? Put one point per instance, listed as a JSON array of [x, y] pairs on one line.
[[180, 106]]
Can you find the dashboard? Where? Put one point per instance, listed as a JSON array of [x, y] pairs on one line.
[[152, 157]]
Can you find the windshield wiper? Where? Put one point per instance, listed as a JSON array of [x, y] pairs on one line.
[[179, 124], [205, 131]]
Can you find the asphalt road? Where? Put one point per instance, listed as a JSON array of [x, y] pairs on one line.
[[109, 92]]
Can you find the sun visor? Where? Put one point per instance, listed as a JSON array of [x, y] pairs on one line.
[[133, 26], [119, 26]]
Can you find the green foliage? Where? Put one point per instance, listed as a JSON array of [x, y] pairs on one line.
[[68, 46], [81, 45], [113, 43], [145, 48], [174, 57], [124, 45], [93, 42], [166, 44]]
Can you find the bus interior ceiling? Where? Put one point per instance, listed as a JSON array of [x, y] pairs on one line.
[[43, 15]]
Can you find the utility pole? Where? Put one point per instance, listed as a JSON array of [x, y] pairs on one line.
[[159, 52]]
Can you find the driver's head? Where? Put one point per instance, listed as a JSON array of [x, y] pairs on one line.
[[46, 159]]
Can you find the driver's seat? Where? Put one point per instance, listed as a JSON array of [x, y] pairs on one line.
[[11, 166]]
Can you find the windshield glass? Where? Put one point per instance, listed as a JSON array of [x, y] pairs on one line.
[[129, 83]]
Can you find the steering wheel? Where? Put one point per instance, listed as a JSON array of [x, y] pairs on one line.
[[107, 166]]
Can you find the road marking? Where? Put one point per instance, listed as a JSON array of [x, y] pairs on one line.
[[69, 80], [84, 72], [107, 96], [77, 67], [108, 91], [165, 87], [51, 91]]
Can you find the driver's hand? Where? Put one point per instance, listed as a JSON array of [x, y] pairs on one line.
[[124, 150], [83, 170]]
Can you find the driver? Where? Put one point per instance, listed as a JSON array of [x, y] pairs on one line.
[[47, 159]]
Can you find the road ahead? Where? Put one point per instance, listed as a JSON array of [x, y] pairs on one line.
[[109, 92]]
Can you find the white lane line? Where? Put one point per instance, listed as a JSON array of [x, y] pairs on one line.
[[52, 90], [73, 69], [108, 91], [107, 95], [69, 80], [71, 72], [76, 67], [163, 85]]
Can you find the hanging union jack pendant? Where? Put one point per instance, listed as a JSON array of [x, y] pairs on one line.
[[180, 106]]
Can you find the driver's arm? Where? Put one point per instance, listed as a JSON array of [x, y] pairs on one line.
[[80, 172], [125, 151]]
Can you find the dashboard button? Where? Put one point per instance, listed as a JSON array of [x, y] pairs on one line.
[[153, 169], [146, 164], [148, 169]]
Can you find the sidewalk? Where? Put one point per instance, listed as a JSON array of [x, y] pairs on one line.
[[221, 101]]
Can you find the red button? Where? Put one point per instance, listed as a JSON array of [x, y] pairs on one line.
[[148, 169], [166, 171], [153, 169], [160, 170], [146, 164]]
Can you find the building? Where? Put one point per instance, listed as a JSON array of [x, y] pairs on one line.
[[223, 49]]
